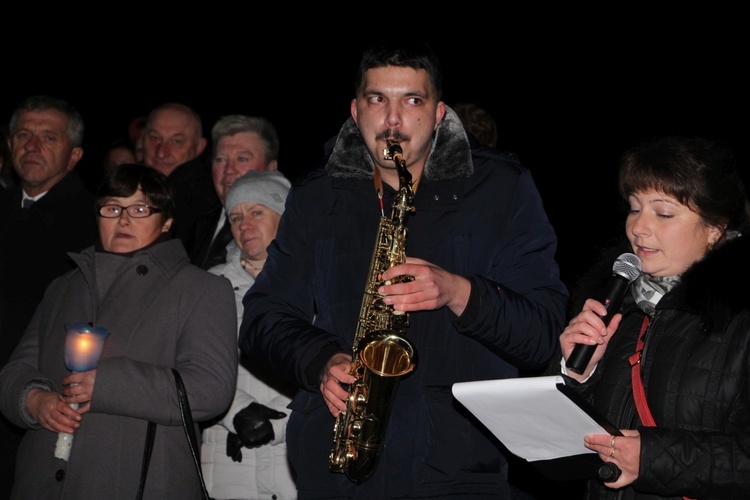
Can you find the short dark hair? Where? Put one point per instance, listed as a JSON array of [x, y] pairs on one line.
[[478, 121], [124, 180], [394, 52], [699, 173]]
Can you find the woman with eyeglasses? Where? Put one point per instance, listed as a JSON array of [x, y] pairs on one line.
[[161, 312]]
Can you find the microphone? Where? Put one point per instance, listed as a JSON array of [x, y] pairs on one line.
[[608, 472], [626, 269]]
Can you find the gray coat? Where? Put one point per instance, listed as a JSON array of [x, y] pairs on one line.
[[161, 312], [264, 472]]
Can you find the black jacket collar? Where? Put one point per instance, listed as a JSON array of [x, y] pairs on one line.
[[715, 285]]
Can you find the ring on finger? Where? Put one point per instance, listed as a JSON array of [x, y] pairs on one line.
[[612, 443], [612, 455]]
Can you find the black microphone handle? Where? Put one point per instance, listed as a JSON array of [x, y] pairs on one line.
[[615, 293], [608, 472]]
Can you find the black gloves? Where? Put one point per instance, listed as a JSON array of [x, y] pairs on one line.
[[254, 429], [234, 447]]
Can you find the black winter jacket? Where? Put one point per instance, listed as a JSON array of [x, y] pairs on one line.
[[478, 214], [695, 369]]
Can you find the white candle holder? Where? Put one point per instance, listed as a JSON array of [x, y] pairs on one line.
[[83, 348]]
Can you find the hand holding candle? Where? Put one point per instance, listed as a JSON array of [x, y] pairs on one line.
[[83, 348]]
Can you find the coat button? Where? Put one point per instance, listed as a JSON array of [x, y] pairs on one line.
[[141, 270], [60, 475]]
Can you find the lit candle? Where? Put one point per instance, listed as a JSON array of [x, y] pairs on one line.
[[83, 348]]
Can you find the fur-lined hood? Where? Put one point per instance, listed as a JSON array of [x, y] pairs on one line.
[[350, 158], [710, 286]]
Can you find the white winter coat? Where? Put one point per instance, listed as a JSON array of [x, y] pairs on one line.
[[264, 472]]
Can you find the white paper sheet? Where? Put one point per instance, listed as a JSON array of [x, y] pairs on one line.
[[529, 415]]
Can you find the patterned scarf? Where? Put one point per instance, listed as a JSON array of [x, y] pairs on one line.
[[648, 290]]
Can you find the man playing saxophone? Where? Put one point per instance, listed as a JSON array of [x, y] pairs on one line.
[[478, 283]]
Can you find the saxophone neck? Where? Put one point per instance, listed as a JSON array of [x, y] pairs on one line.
[[404, 176], [394, 153]]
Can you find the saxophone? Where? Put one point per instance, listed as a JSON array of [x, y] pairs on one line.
[[381, 354]]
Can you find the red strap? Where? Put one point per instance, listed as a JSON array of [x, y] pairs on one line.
[[638, 393]]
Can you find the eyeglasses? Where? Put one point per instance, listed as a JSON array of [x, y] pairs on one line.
[[135, 211]]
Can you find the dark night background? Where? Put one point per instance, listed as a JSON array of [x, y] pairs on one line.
[[568, 101], [570, 93]]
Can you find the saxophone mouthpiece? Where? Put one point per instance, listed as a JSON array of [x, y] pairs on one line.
[[393, 151]]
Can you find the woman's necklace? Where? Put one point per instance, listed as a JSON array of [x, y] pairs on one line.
[[252, 267], [255, 265]]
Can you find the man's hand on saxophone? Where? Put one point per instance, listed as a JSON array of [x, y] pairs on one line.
[[336, 372], [431, 288]]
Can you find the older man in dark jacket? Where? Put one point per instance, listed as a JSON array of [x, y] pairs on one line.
[[49, 214], [173, 143]]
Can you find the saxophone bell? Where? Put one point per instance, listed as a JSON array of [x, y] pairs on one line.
[[360, 437]]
